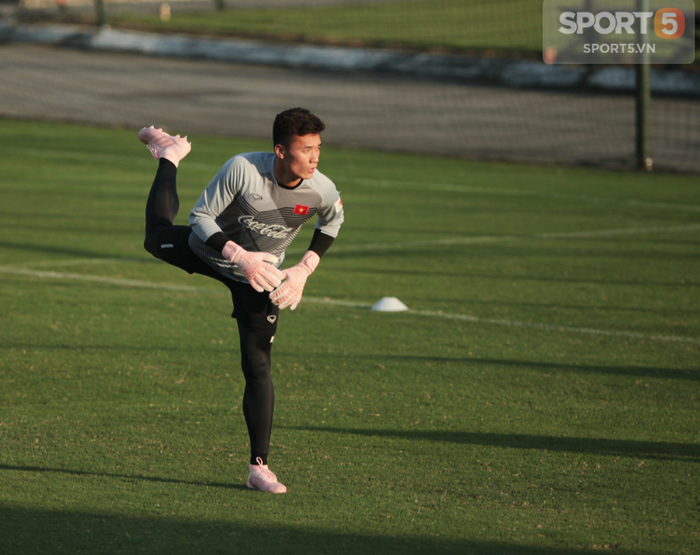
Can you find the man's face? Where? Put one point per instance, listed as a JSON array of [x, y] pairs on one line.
[[301, 158]]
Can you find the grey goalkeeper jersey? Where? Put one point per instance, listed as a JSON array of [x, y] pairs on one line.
[[245, 202]]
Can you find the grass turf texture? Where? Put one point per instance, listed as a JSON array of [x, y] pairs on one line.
[[121, 425]]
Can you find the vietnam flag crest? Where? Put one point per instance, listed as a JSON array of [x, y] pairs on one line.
[[301, 209]]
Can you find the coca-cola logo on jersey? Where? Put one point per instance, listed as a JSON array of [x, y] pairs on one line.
[[275, 231]]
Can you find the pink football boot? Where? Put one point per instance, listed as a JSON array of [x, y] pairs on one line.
[[163, 145], [262, 478]]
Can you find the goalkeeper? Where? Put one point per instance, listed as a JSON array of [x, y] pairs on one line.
[[239, 230]]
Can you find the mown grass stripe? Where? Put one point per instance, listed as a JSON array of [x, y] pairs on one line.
[[351, 304]]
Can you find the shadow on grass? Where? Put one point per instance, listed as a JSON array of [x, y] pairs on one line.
[[58, 250], [490, 251], [126, 477], [36, 531], [103, 347], [548, 367], [605, 447]]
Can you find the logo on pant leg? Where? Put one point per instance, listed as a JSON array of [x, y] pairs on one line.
[[272, 319]]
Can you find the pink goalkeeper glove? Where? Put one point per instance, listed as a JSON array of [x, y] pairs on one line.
[[289, 293], [256, 266]]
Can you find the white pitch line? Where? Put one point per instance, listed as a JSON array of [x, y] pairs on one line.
[[102, 279], [78, 262], [516, 324], [551, 327], [348, 304]]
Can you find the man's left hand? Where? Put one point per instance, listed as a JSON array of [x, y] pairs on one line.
[[290, 292]]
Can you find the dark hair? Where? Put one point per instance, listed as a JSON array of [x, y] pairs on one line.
[[295, 121]]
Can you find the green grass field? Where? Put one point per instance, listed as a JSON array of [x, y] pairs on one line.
[[539, 398], [505, 28], [498, 25]]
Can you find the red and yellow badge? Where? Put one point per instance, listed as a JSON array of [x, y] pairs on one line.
[[301, 209]]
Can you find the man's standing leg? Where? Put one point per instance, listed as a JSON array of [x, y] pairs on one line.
[[258, 407], [257, 325], [259, 394]]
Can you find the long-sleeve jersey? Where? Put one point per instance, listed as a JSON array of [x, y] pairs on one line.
[[246, 204]]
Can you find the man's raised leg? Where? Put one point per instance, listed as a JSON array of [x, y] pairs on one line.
[[164, 240], [163, 202]]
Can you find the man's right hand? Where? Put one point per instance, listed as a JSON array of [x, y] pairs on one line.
[[256, 266]]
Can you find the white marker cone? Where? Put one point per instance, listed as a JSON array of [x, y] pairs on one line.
[[389, 304]]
